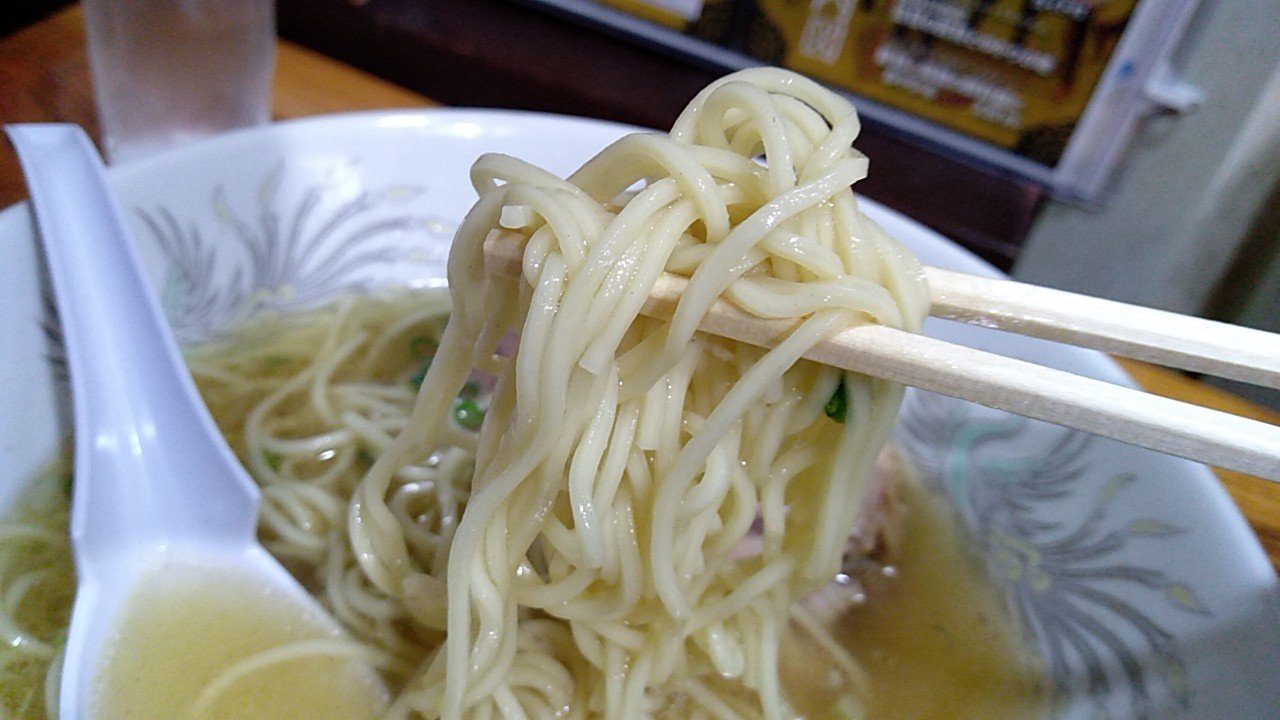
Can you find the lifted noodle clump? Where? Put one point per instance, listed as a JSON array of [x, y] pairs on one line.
[[598, 568]]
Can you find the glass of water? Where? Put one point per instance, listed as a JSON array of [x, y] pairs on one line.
[[165, 71]]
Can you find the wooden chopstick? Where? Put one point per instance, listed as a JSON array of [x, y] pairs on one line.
[[1141, 333], [1017, 386]]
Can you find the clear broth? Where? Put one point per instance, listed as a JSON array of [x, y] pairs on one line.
[[934, 636]]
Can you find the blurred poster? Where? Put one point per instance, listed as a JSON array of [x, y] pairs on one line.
[[673, 13], [1016, 73], [706, 19]]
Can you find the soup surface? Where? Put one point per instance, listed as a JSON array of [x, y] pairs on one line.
[[929, 634], [933, 635]]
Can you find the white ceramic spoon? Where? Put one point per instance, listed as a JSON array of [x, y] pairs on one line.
[[154, 478]]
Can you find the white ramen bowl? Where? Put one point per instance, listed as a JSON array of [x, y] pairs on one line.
[[1143, 587]]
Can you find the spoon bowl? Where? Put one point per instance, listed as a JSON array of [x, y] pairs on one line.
[[156, 486]]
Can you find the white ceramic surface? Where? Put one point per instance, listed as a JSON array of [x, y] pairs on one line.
[[1141, 583]]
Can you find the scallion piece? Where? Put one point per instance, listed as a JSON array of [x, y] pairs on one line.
[[837, 407], [468, 413]]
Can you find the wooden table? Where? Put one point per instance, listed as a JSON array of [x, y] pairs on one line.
[[44, 76]]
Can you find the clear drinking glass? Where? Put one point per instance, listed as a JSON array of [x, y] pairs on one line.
[[169, 70]]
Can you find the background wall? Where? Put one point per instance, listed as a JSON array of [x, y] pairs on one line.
[[1249, 293], [1193, 221]]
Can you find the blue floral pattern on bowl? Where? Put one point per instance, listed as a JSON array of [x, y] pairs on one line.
[[1106, 650]]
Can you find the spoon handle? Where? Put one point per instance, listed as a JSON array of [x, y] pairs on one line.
[[160, 469]]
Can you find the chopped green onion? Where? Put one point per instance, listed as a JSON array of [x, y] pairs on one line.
[[276, 362], [838, 406], [468, 413], [422, 345], [416, 379], [273, 459]]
